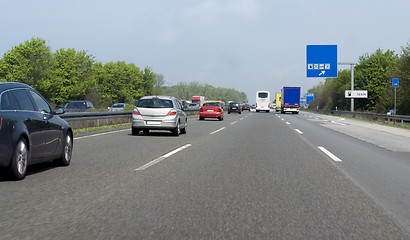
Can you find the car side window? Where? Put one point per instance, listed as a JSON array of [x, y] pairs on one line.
[[177, 104], [8, 102], [41, 104], [23, 99]]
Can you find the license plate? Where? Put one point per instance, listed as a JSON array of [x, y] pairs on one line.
[[209, 110], [152, 123], [234, 108]]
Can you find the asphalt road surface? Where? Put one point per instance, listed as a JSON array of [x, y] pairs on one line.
[[251, 176]]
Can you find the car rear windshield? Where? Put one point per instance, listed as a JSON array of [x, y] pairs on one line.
[[212, 104], [154, 103], [234, 104]]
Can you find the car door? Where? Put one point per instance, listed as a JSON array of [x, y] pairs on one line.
[[52, 130], [181, 113], [33, 122]]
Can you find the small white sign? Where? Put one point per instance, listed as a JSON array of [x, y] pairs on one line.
[[356, 94]]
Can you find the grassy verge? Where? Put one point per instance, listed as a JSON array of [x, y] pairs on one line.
[[100, 128]]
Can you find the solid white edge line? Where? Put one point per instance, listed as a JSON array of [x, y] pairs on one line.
[[297, 130], [331, 155], [217, 130], [153, 162], [100, 134]]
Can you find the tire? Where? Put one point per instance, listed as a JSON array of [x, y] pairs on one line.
[[201, 118], [135, 131], [145, 131], [220, 118], [229, 112], [65, 158], [176, 131], [183, 131], [18, 165]]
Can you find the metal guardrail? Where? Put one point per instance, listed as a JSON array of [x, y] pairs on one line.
[[95, 119], [369, 116]]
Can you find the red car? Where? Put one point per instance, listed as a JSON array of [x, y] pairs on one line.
[[246, 107], [211, 110]]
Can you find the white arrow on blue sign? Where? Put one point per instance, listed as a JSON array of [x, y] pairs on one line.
[[321, 61]]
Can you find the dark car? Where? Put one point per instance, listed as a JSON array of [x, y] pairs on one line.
[[30, 130], [78, 106], [234, 107]]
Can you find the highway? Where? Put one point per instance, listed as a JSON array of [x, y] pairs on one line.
[[251, 176]]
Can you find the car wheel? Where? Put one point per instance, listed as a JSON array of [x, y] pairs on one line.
[[177, 131], [183, 131], [146, 131], [65, 158], [18, 165], [135, 131], [201, 118], [229, 112]]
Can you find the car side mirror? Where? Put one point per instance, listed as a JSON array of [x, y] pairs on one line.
[[59, 110]]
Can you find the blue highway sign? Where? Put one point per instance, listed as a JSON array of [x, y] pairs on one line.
[[395, 82], [321, 61]]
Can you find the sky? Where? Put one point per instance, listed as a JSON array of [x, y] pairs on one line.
[[248, 45]]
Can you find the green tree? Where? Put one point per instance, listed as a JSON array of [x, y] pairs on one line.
[[159, 81], [29, 62], [72, 76]]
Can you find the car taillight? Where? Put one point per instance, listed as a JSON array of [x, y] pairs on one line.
[[172, 112], [0, 122], [136, 112], [201, 109], [256, 104], [219, 110]]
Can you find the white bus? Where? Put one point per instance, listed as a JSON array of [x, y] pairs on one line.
[[262, 101]]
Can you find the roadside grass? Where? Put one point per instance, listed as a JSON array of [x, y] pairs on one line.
[[100, 128]]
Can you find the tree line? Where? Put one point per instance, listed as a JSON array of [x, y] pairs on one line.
[[373, 72], [185, 91], [68, 74]]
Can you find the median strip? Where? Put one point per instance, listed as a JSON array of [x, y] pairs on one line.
[[153, 162]]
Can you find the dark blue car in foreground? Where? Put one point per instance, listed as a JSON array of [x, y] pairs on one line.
[[30, 130]]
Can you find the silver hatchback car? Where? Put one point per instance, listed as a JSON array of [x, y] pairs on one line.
[[159, 113]]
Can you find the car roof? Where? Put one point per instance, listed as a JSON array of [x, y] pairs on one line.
[[162, 97], [11, 85]]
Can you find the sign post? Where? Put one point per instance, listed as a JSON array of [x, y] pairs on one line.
[[395, 84], [352, 83]]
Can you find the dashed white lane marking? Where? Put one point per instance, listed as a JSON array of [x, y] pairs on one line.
[[287, 123], [217, 130], [234, 122], [297, 130], [331, 155], [100, 134], [153, 162], [339, 123]]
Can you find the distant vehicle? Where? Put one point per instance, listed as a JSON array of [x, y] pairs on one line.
[[246, 107], [30, 130], [199, 100], [262, 101], [159, 113], [290, 100], [211, 110], [278, 101], [78, 106], [234, 107], [193, 106], [117, 107]]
